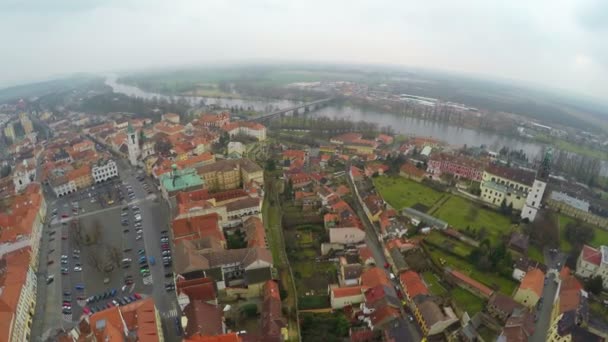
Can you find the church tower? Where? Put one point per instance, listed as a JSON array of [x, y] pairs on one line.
[[133, 145], [535, 196]]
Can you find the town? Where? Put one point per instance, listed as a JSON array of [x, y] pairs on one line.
[[218, 226]]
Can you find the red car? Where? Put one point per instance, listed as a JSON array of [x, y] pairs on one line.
[[65, 215], [387, 265], [86, 310], [64, 237], [137, 295], [50, 262]]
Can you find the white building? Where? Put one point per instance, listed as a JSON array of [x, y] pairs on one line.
[[104, 170], [23, 175], [236, 147], [593, 262], [62, 186], [569, 200], [533, 200], [133, 145], [252, 129]]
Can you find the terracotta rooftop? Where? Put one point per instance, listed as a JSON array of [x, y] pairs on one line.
[[202, 289], [517, 175], [592, 255], [340, 292], [231, 337], [137, 318], [13, 274], [374, 276], [197, 227], [365, 253], [413, 284], [472, 282], [203, 318], [272, 320], [254, 231], [534, 280]]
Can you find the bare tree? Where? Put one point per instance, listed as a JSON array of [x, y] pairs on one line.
[[115, 255], [96, 233], [95, 259]]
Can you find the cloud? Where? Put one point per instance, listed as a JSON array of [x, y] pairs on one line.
[[518, 39]]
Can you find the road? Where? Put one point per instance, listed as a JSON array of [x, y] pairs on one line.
[[377, 249], [544, 315]]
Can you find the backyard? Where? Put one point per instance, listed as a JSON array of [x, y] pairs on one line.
[[461, 213], [402, 193], [493, 280], [432, 282], [600, 237], [467, 301]]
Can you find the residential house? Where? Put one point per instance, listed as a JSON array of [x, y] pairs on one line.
[[254, 232], [502, 306], [469, 283], [519, 243], [273, 324], [202, 318], [531, 288], [231, 174], [349, 274], [410, 171], [433, 318], [518, 327], [170, 117], [340, 297], [214, 120], [412, 284], [593, 262]]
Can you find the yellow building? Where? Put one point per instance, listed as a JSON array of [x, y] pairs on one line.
[[230, 174], [82, 177], [500, 184], [9, 132], [531, 288], [360, 148]]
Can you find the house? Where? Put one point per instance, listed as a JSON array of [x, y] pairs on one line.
[[460, 166], [432, 318], [197, 228], [350, 273], [340, 297], [523, 265], [410, 171], [371, 169], [518, 328], [179, 180], [365, 256], [531, 288], [202, 318], [230, 337], [273, 324], [506, 184], [593, 262], [469, 283], [231, 174], [570, 295], [374, 276], [412, 284], [381, 295], [170, 117], [214, 120], [384, 317], [519, 243], [384, 139], [248, 128], [254, 232], [502, 306], [374, 206], [200, 289]]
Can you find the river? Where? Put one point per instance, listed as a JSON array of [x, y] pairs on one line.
[[452, 135]]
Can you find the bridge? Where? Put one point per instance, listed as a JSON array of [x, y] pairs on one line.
[[294, 109]]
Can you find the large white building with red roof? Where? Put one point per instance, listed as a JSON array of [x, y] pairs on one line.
[[593, 262]]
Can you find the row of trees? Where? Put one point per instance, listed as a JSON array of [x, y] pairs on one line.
[[585, 169], [492, 258], [114, 102]]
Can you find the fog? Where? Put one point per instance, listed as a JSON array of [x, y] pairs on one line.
[[561, 44]]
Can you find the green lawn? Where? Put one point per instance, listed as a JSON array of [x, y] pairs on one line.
[[432, 282], [460, 213], [600, 238], [535, 253], [467, 301], [505, 285], [403, 193], [455, 246]]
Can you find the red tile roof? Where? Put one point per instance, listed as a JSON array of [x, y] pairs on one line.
[[202, 289], [592, 255], [412, 283], [533, 280], [374, 276], [365, 253], [12, 280], [341, 292], [138, 317], [231, 337], [197, 227], [517, 175], [472, 282], [412, 170]]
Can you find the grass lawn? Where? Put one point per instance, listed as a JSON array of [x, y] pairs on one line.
[[432, 282], [466, 301], [460, 213], [600, 237], [403, 193], [535, 253], [505, 285], [455, 246], [313, 302], [487, 334]]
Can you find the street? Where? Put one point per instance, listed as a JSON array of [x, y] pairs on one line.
[[99, 215], [544, 315]]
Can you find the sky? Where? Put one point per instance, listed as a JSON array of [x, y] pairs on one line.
[[558, 43]]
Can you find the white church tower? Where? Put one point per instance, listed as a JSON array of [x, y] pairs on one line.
[[133, 145], [535, 196]]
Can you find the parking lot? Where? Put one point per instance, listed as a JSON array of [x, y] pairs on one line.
[[105, 251]]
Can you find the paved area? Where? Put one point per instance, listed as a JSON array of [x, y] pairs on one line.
[[102, 206], [543, 321]]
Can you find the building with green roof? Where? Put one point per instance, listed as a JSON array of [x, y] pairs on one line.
[[180, 180]]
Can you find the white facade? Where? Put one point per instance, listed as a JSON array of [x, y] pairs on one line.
[[586, 269], [533, 200], [23, 176], [27, 302], [133, 145], [346, 235], [256, 132], [64, 188], [236, 147], [569, 200], [104, 171]]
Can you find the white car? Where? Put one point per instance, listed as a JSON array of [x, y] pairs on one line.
[[77, 268], [138, 237]]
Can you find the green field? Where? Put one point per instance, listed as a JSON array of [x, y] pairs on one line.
[[535, 254], [572, 147], [432, 283], [600, 237], [505, 285], [460, 213], [403, 193], [467, 301], [453, 245]]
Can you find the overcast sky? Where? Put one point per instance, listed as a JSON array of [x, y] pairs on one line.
[[563, 44]]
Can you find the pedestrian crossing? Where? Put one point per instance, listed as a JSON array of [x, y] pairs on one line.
[[170, 314]]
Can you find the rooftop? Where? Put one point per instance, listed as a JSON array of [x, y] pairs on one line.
[[341, 292], [181, 179], [533, 280], [516, 175]]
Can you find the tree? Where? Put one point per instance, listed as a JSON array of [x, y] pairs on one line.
[[5, 171], [95, 259], [271, 165], [578, 234], [594, 284], [543, 231], [288, 192], [115, 255], [163, 147]]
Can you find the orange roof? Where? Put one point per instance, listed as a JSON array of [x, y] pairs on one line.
[[413, 284], [411, 169], [365, 253], [197, 289], [119, 139], [533, 280], [140, 316], [374, 276], [592, 255], [197, 227], [12, 280], [168, 128], [473, 283], [569, 294], [231, 337], [248, 124], [256, 235], [81, 172], [341, 292]]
